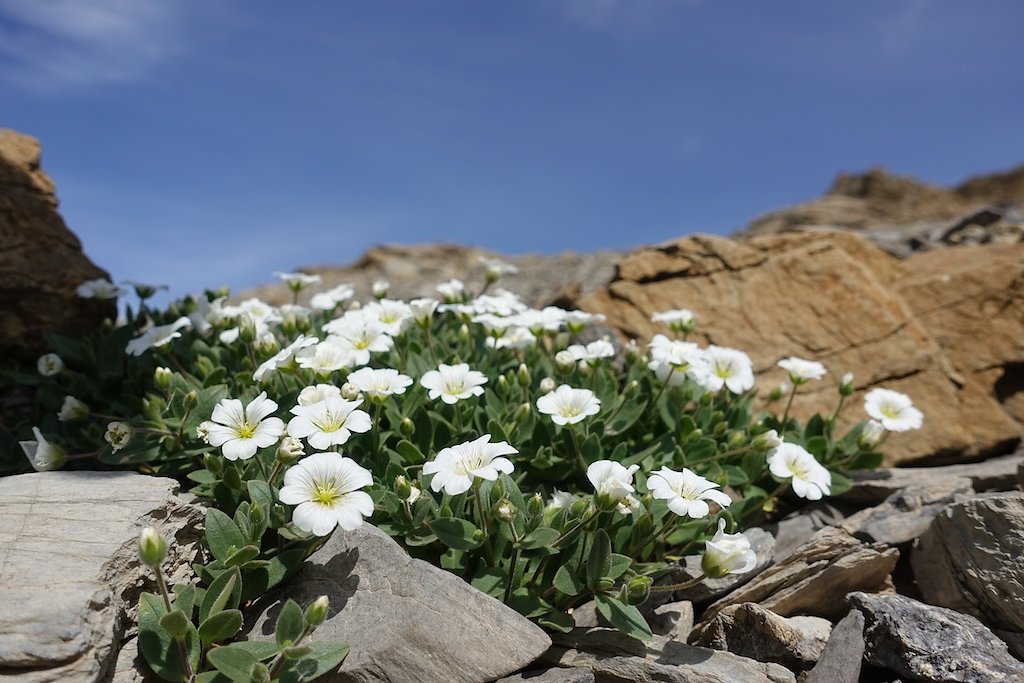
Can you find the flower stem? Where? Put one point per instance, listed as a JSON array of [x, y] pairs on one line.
[[664, 386], [186, 666], [672, 588], [789, 404], [576, 446], [584, 521]]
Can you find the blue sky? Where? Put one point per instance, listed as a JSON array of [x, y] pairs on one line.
[[207, 142]]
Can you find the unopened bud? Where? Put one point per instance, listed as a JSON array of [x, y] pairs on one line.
[[636, 590], [631, 389], [267, 344], [152, 547], [505, 511], [479, 536], [402, 488], [547, 385], [380, 289], [502, 386], [846, 385], [162, 378], [580, 507], [289, 450], [464, 333], [214, 463], [316, 613], [296, 651], [191, 400], [871, 434], [497, 490], [735, 438], [632, 351], [535, 505], [585, 368], [350, 392], [605, 583], [203, 366], [407, 427], [522, 412], [767, 441], [523, 375], [246, 328], [259, 673], [565, 362]]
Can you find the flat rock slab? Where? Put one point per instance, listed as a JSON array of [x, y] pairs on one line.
[[558, 674], [69, 570], [933, 644], [812, 579], [614, 658], [908, 512], [405, 620], [971, 559], [841, 660], [750, 630], [994, 474]]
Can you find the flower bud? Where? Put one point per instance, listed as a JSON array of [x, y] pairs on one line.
[[162, 378], [846, 385], [580, 508], [191, 400], [522, 412], [175, 623], [402, 487], [72, 410], [267, 345], [153, 407], [203, 366], [605, 583], [50, 364], [246, 328], [214, 464], [502, 386], [316, 613], [380, 289], [289, 450], [630, 390], [632, 352], [644, 525], [585, 368], [152, 547], [259, 673], [497, 490], [547, 385], [350, 392], [706, 398], [118, 435], [479, 536], [779, 391], [505, 510], [720, 428], [256, 514], [871, 434], [735, 438], [464, 335], [445, 511], [535, 505], [767, 441], [636, 590], [406, 427], [523, 375], [565, 362]]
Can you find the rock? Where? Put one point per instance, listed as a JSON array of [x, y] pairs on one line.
[[416, 270], [906, 514], [572, 674], [796, 529], [131, 667], [934, 644], [405, 620], [614, 658], [42, 262], [971, 559], [831, 563], [840, 661], [750, 630], [763, 545], [995, 474], [674, 620], [69, 570], [834, 292]]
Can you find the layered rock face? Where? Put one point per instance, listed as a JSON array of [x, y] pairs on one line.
[[41, 262]]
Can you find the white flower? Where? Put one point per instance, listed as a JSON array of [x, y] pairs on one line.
[[325, 487], [241, 432], [207, 313], [393, 315], [548, 320], [328, 423], [157, 336], [801, 370], [456, 467], [452, 291], [871, 434], [727, 554], [611, 481], [894, 410], [118, 435], [283, 357], [360, 335], [50, 364], [328, 300], [561, 499], [297, 281], [144, 290], [452, 383], [72, 409], [423, 309], [203, 431], [726, 367], [496, 268], [810, 479], [320, 392], [577, 320], [677, 320], [596, 350], [380, 289], [516, 337], [379, 384], [566, 405], [99, 289], [686, 492], [43, 455], [325, 358], [672, 360]]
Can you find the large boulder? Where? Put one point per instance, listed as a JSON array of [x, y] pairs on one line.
[[69, 570], [826, 296], [42, 262]]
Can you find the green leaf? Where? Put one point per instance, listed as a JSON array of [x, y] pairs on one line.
[[628, 415], [290, 624], [618, 566], [241, 556], [280, 567], [220, 626], [258, 649], [565, 581], [261, 493], [815, 427], [324, 658], [557, 621], [626, 618], [409, 451], [184, 598], [840, 484], [816, 446], [541, 537], [490, 581], [224, 592], [866, 461], [157, 646], [599, 562], [455, 533], [222, 534], [233, 661]]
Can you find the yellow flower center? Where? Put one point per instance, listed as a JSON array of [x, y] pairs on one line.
[[325, 495], [246, 430]]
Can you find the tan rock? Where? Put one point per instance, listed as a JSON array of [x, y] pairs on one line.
[[750, 630], [42, 262]]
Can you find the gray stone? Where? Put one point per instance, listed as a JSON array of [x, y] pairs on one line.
[[573, 674], [405, 620], [841, 660], [971, 559], [994, 474], [69, 570], [934, 644], [906, 514], [750, 630], [798, 528], [673, 620], [131, 667], [614, 658], [763, 545], [810, 580]]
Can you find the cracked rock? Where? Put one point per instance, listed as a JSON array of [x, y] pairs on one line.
[[750, 630], [405, 620]]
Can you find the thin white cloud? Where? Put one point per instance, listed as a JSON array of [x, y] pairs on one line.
[[51, 45]]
